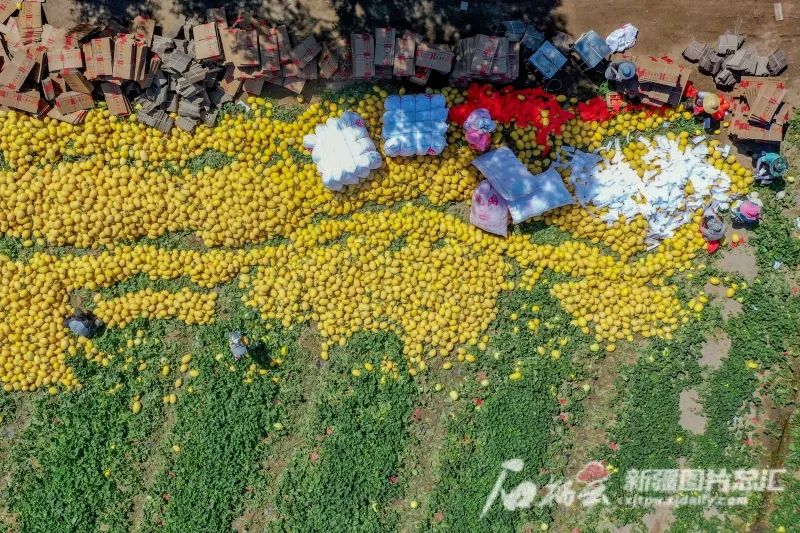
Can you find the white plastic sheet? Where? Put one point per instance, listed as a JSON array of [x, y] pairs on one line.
[[660, 196], [622, 38], [343, 151]]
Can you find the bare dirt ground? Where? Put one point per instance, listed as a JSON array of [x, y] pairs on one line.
[[664, 27]]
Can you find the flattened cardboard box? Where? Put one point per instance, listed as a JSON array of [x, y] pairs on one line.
[[48, 88], [254, 86], [269, 53], [433, 57], [405, 47], [384, 46], [284, 43], [206, 41], [655, 70], [39, 54], [72, 101], [71, 118], [78, 83], [328, 64], [229, 84], [30, 16], [15, 73], [240, 47], [103, 57], [294, 84], [124, 57], [70, 59], [767, 102], [7, 8], [55, 38], [118, 103], [140, 62], [27, 101], [363, 55], [305, 52], [143, 29]]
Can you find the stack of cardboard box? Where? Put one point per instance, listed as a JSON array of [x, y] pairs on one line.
[[759, 110], [486, 57]]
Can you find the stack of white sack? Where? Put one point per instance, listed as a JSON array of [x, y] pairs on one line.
[[414, 124], [343, 151]]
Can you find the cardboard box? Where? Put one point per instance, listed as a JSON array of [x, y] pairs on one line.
[[118, 103], [49, 88], [124, 57], [7, 8], [651, 69], [30, 16], [500, 61], [206, 41], [103, 57], [229, 84], [254, 86], [71, 118], [143, 29], [383, 73], [384, 46], [240, 47], [116, 100], [217, 16], [309, 72], [140, 61], [345, 54], [55, 38], [72, 101], [27, 101], [15, 73], [269, 52], [405, 48], [483, 55], [39, 63], [746, 130], [284, 43], [421, 75], [69, 59], [433, 57], [328, 64], [363, 56], [767, 102], [294, 84], [77, 82], [305, 52], [290, 70]]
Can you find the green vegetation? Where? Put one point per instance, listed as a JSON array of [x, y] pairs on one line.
[[210, 158], [339, 480]]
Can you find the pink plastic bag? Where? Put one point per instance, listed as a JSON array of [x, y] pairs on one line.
[[478, 140], [489, 210]]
